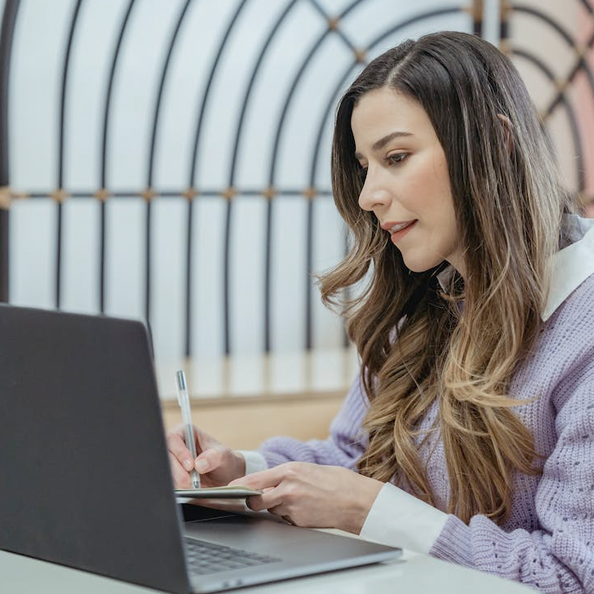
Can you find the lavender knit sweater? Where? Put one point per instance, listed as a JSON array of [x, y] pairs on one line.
[[548, 540]]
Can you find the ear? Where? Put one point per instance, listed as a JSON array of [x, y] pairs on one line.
[[507, 129]]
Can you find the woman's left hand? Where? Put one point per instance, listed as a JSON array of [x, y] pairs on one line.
[[313, 496]]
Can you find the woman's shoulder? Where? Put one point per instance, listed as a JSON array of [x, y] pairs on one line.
[[565, 348], [577, 307]]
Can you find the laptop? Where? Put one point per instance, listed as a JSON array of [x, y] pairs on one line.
[[85, 473]]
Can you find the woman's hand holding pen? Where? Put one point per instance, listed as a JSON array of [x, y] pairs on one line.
[[314, 496], [216, 463]]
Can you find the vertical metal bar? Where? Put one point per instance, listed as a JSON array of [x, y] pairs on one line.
[[192, 184], [189, 262], [478, 11], [268, 275], [310, 247], [158, 101], [103, 164], [151, 163], [147, 260], [269, 204], [314, 165], [271, 183], [346, 342], [61, 151], [11, 8], [309, 256], [504, 12]]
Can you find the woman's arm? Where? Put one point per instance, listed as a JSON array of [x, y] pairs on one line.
[[343, 447]]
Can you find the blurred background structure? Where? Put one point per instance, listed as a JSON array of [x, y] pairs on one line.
[[168, 160]]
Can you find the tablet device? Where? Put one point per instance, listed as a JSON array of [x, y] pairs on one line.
[[217, 492]]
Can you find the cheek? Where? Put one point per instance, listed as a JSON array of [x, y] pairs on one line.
[[427, 186]]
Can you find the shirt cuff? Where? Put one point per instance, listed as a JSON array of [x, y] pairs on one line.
[[401, 520], [254, 461]]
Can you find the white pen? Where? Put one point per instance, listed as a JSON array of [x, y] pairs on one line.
[[184, 403]]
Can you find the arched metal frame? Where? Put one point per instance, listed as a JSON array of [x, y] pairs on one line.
[[194, 190], [561, 86]]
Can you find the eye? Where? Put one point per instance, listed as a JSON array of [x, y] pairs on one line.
[[362, 173], [396, 158]]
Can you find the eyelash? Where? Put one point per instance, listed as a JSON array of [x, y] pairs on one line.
[[397, 158]]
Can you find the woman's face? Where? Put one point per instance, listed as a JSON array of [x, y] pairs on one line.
[[407, 185]]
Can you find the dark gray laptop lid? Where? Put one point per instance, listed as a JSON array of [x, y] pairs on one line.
[[71, 385]]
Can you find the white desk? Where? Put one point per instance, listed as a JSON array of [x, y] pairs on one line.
[[414, 574]]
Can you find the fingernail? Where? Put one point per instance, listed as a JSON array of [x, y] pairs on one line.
[[188, 464], [201, 466]]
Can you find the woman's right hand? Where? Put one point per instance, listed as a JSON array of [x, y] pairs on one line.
[[217, 464]]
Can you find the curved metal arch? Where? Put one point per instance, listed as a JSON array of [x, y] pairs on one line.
[[234, 158], [108, 93], [269, 205], [229, 209], [206, 94], [546, 18], [65, 71], [157, 110], [338, 31], [249, 87], [581, 64], [192, 183], [103, 182], [151, 160], [347, 72], [575, 131], [61, 128], [317, 146], [289, 97]]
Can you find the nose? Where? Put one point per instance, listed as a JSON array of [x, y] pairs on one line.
[[375, 193]]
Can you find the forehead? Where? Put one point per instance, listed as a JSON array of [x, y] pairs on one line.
[[382, 111]]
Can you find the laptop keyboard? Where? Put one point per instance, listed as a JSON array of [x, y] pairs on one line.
[[206, 557]]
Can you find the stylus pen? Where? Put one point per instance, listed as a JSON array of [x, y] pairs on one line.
[[184, 403]]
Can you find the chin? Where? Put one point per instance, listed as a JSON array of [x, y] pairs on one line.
[[420, 266]]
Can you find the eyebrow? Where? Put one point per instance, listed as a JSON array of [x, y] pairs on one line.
[[381, 143]]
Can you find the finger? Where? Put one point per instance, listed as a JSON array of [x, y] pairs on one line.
[[256, 503], [267, 478], [208, 461], [271, 498], [204, 441], [178, 448], [280, 511], [181, 478]]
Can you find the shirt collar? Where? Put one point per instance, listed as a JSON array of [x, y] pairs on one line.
[[570, 266]]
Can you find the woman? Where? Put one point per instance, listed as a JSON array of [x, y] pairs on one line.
[[469, 434]]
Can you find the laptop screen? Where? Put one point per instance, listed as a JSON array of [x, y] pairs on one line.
[[83, 461]]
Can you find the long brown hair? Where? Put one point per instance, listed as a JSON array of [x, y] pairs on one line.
[[418, 343]]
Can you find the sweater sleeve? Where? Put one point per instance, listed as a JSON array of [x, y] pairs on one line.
[[559, 556], [343, 447]]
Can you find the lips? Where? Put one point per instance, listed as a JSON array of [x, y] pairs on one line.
[[399, 226], [398, 230], [395, 226]]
